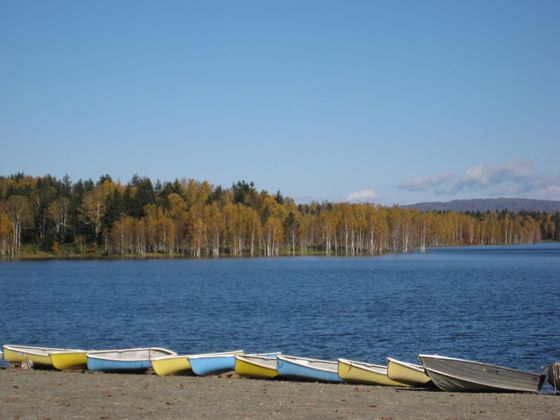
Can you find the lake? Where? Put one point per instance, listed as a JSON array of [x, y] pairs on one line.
[[494, 304]]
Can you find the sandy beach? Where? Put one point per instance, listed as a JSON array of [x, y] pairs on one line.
[[86, 395]]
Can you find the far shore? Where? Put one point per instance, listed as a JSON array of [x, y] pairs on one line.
[[84, 395], [45, 256]]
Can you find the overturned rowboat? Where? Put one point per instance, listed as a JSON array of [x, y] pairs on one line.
[[453, 375], [39, 356], [407, 373], [257, 365], [125, 360], [365, 373], [307, 369], [213, 363]]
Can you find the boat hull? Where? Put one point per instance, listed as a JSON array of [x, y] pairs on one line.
[[103, 365], [245, 367], [289, 369], [17, 355], [407, 373], [554, 375], [126, 360], [69, 360], [173, 365], [352, 372], [203, 366], [457, 375]]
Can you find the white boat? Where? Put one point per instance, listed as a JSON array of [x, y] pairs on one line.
[[554, 375], [125, 360], [451, 374]]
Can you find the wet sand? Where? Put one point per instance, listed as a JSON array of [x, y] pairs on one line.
[[81, 395]]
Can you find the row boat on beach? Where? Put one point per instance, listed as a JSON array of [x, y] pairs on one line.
[[45, 357], [199, 364], [307, 369], [171, 365], [69, 359], [213, 363], [125, 360], [257, 365], [407, 373], [453, 375], [365, 373]]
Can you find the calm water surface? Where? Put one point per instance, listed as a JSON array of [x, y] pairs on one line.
[[495, 304]]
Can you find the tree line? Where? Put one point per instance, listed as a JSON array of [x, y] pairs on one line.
[[183, 218]]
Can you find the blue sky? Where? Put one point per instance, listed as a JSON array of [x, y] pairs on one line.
[[385, 101]]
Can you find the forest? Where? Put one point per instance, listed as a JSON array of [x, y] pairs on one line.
[[46, 217]]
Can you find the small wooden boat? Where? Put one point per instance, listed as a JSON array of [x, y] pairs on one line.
[[307, 369], [554, 375], [365, 373], [213, 363], [39, 356], [125, 360], [257, 365], [451, 374], [407, 373]]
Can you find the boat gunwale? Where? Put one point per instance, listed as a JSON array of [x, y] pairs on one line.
[[365, 366], [286, 358], [474, 362], [215, 355], [413, 366], [170, 356], [69, 352], [99, 354], [243, 358], [44, 351]]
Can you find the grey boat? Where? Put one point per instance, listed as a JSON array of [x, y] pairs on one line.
[[455, 375], [554, 375]]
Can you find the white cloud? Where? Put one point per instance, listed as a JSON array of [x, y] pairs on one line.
[[425, 183], [515, 178], [363, 196], [485, 175]]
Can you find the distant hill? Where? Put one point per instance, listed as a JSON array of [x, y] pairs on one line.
[[514, 205]]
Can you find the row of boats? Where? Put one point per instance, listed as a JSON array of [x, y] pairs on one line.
[[446, 373]]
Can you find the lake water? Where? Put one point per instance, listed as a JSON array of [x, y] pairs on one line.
[[494, 304]]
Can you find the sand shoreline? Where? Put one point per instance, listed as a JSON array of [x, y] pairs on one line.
[[86, 395]]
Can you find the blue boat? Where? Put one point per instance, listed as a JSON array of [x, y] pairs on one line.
[[125, 360], [213, 363], [307, 369]]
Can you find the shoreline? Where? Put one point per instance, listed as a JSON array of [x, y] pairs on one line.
[[79, 394], [100, 257]]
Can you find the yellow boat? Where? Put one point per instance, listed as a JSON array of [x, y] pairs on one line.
[[407, 373], [69, 359], [40, 356], [171, 365], [256, 366], [365, 373]]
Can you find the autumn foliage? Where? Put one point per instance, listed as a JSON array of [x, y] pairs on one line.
[[195, 219]]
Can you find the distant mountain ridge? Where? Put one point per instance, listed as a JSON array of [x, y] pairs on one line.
[[514, 205]]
